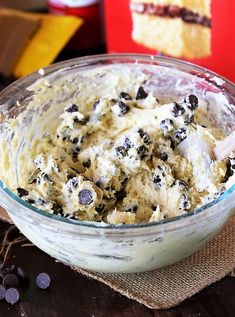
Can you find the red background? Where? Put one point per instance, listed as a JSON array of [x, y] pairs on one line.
[[118, 25]]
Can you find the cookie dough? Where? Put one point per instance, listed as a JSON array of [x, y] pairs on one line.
[[116, 152]]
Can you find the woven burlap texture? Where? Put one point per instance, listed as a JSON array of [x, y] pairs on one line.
[[167, 287]]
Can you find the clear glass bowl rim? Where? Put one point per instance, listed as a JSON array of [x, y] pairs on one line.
[[85, 61]]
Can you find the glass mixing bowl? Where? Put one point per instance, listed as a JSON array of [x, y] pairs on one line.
[[124, 248]]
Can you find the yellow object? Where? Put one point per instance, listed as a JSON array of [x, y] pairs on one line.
[[52, 35]]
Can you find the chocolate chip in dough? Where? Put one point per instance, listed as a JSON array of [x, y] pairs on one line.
[[72, 108], [142, 151], [125, 95], [123, 108], [177, 110], [121, 151], [141, 94], [22, 192], [192, 102], [85, 197], [87, 163], [180, 134]]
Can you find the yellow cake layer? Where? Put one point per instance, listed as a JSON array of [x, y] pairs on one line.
[[172, 36], [198, 6]]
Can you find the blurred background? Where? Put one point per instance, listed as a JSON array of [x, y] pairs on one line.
[[36, 33]]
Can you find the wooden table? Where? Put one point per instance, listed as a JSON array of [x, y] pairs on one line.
[[73, 295]]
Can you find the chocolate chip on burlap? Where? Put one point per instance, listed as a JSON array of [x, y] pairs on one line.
[[167, 287]]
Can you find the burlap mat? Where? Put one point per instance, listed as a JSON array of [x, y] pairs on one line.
[[167, 287]]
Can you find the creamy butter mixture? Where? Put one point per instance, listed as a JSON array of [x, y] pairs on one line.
[[108, 149]]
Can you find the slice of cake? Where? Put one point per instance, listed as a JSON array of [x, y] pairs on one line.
[[180, 28]]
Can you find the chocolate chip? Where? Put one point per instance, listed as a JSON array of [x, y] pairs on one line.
[[166, 125], [177, 110], [157, 180], [192, 102], [47, 178], [96, 104], [72, 108], [145, 136], [82, 121], [132, 209], [2, 292], [87, 163], [41, 201], [75, 140], [229, 172], [141, 94], [12, 296], [142, 151], [10, 280], [85, 197], [125, 95], [184, 202], [22, 192], [181, 184], [127, 143], [180, 134], [100, 208], [188, 118], [121, 151], [43, 280], [120, 194], [30, 201], [123, 108], [163, 156], [57, 209]]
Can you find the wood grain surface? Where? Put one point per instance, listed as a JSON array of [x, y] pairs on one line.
[[73, 295]]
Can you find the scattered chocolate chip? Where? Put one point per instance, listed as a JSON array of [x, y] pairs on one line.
[[125, 95], [96, 104], [180, 134], [87, 163], [142, 151], [22, 192], [141, 94], [30, 201], [192, 102], [123, 108], [145, 136], [10, 280], [2, 292], [121, 151], [166, 125], [57, 209], [41, 202], [100, 208], [75, 140], [229, 172], [184, 202], [127, 143], [82, 121], [158, 176], [157, 180], [12, 295], [132, 209], [188, 118], [43, 280], [120, 194], [85, 197], [72, 108], [47, 178], [163, 156], [183, 185], [177, 110]]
